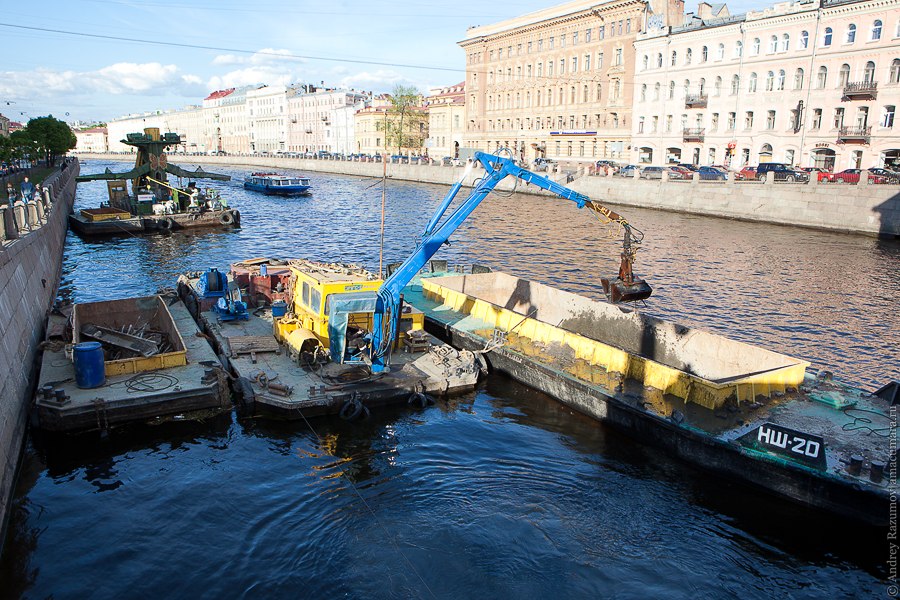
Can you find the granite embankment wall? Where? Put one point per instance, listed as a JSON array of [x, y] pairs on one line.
[[863, 209], [30, 262]]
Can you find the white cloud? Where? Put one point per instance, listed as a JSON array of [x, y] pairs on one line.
[[149, 79], [260, 57], [270, 75], [381, 80]]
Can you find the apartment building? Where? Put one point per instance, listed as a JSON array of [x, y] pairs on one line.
[[556, 83], [811, 83], [446, 120]]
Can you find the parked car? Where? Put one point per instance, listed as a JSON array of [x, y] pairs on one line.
[[712, 174], [853, 176], [652, 172], [780, 172], [748, 173], [684, 172], [543, 164], [676, 173], [822, 175], [688, 166], [628, 171], [889, 176]]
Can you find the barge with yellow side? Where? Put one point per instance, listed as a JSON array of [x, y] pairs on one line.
[[738, 410]]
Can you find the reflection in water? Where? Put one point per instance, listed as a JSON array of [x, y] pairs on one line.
[[504, 492]]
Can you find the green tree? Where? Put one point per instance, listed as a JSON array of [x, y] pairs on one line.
[[405, 125], [52, 138]]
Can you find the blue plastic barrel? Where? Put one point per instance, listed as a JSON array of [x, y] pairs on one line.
[[279, 308], [90, 372], [263, 269]]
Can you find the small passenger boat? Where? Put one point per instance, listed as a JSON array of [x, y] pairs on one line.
[[275, 184]]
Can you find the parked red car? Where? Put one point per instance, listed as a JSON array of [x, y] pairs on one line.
[[748, 173], [852, 176], [822, 175]]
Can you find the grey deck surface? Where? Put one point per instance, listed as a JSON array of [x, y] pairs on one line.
[[125, 397]]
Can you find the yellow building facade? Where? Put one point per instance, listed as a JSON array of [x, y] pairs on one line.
[[556, 83]]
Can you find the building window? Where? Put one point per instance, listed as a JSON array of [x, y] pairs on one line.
[[748, 120], [789, 157], [844, 77], [869, 72], [732, 117], [659, 60], [627, 25], [798, 79], [817, 119], [838, 118], [826, 39], [587, 62], [562, 66], [735, 85], [671, 90], [780, 83], [618, 56], [770, 120], [738, 49], [674, 58], [804, 40], [540, 69], [668, 123], [702, 85], [550, 42], [894, 75], [720, 54], [785, 42], [876, 30], [887, 116], [851, 33], [599, 60], [688, 56], [717, 88], [586, 94], [640, 125], [773, 44], [755, 48], [714, 121], [770, 81], [656, 91], [574, 38], [687, 87], [644, 93], [574, 64], [704, 54], [822, 77], [646, 62], [540, 45], [587, 35], [601, 33]]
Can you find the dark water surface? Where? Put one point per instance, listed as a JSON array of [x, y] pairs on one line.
[[503, 493]]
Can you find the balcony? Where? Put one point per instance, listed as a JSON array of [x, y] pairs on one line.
[[854, 135], [695, 100], [695, 134], [860, 90]]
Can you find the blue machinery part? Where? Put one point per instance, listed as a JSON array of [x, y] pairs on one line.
[[212, 284], [230, 307], [624, 288]]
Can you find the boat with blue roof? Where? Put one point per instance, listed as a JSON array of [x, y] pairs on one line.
[[277, 185]]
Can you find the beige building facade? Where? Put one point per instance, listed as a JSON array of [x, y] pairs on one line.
[[93, 139], [556, 83], [811, 83], [369, 126], [446, 120], [314, 117]]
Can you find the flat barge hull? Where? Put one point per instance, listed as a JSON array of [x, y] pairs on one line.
[[255, 358], [132, 392], [83, 226], [702, 402]]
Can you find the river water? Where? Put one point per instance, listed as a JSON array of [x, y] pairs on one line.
[[501, 493]]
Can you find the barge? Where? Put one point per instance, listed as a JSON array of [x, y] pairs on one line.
[[287, 332], [737, 410], [154, 364], [154, 205]]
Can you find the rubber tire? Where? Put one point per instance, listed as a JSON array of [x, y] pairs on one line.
[[237, 217], [419, 400], [245, 390], [790, 179], [762, 178], [226, 218], [840, 180], [167, 224], [351, 410]]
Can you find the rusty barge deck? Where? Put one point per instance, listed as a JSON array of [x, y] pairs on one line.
[[734, 409]]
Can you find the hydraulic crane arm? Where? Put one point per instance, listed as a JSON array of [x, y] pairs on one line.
[[623, 289]]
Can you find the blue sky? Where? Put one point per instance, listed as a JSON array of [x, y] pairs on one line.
[[98, 79]]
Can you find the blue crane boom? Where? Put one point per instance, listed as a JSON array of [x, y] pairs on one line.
[[625, 288]]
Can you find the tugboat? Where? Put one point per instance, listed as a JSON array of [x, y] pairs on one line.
[[275, 184], [154, 205]]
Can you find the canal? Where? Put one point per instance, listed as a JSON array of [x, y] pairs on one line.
[[499, 493]]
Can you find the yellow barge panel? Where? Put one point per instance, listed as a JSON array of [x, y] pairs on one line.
[[598, 340]]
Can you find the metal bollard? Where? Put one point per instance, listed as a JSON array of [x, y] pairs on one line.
[[10, 231]]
